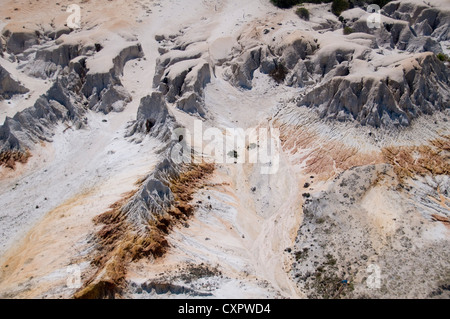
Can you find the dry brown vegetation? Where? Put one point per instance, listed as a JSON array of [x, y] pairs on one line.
[[327, 158], [10, 158], [409, 161], [120, 242], [335, 157], [324, 158], [444, 220]]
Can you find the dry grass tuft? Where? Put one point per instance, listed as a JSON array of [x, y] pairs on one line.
[[10, 158], [442, 219], [409, 161]]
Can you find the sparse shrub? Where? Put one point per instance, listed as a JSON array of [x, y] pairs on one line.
[[195, 272], [381, 3], [303, 13], [315, 1], [279, 73], [252, 146], [302, 254], [348, 30], [441, 56], [285, 4], [338, 6], [233, 153], [330, 260]]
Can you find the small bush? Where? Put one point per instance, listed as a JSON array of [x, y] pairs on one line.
[[285, 4], [348, 30], [362, 3], [303, 13], [233, 154], [441, 56], [279, 73], [381, 3], [338, 6]]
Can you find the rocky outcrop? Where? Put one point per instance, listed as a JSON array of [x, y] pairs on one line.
[[244, 66], [154, 197], [182, 75], [142, 224], [153, 117], [113, 98], [163, 198], [424, 19], [288, 60], [170, 58], [191, 103], [295, 47], [408, 26], [60, 55], [416, 86], [18, 41], [140, 221], [349, 80], [9, 86], [56, 33], [398, 34], [36, 123], [173, 83], [104, 89], [48, 61], [63, 101]]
